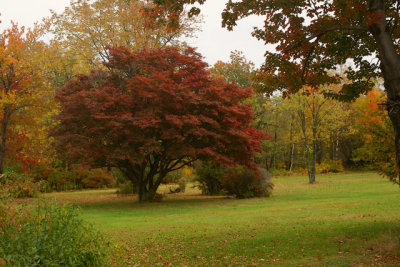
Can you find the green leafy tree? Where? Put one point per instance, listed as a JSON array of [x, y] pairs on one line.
[[238, 70]]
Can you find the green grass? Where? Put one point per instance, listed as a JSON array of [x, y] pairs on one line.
[[343, 220]]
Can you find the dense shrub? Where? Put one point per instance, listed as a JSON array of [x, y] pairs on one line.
[[180, 177], [75, 178], [18, 185], [246, 183], [48, 234], [279, 172], [329, 167], [208, 178], [62, 180], [94, 178], [126, 188], [182, 184], [174, 177]]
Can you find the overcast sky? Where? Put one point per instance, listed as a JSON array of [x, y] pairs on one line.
[[214, 43]]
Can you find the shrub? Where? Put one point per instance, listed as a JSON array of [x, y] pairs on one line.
[[209, 178], [18, 185], [61, 180], [335, 166], [157, 197], [76, 178], [58, 179], [48, 234], [42, 172], [174, 177], [279, 172], [182, 184], [94, 178], [246, 183], [329, 166], [180, 177], [126, 188], [119, 178]]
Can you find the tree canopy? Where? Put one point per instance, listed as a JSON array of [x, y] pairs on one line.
[[26, 99], [313, 37], [85, 29], [155, 112]]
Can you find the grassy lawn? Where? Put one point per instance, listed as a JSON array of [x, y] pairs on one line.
[[344, 220]]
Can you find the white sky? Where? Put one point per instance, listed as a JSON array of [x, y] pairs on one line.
[[214, 43]]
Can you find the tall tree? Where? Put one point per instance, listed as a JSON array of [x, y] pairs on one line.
[[87, 27], [313, 36], [155, 112], [311, 109], [24, 94], [373, 124], [238, 70]]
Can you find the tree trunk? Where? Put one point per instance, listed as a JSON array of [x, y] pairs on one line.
[[148, 196], [311, 175], [146, 191], [148, 186], [4, 124], [291, 158], [390, 67], [314, 151], [291, 149], [395, 118], [337, 147], [310, 165], [332, 148], [319, 151], [140, 189]]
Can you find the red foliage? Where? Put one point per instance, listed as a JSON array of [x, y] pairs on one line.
[[156, 109]]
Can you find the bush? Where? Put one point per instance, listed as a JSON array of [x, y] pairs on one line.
[[246, 183], [279, 172], [93, 178], [48, 234], [62, 180], [76, 178], [174, 177], [157, 197], [18, 185], [182, 184], [180, 177], [126, 188], [209, 178], [330, 166]]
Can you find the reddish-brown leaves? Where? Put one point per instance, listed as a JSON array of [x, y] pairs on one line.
[[160, 102]]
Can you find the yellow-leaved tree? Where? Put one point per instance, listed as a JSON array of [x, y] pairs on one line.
[[87, 28], [26, 97]]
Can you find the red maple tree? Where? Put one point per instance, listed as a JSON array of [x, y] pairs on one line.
[[152, 113]]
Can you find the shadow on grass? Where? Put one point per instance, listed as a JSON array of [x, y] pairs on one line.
[[124, 203]]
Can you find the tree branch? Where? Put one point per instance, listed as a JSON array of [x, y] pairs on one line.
[[322, 33]]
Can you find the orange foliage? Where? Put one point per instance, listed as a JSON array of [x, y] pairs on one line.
[[25, 97], [375, 126]]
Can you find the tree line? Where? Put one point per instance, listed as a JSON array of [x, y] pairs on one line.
[[116, 87]]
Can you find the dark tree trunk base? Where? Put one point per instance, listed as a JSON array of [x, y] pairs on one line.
[[394, 115]]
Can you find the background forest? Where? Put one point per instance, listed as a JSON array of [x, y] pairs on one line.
[[308, 132]]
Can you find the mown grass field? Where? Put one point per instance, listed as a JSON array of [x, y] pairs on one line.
[[348, 219]]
